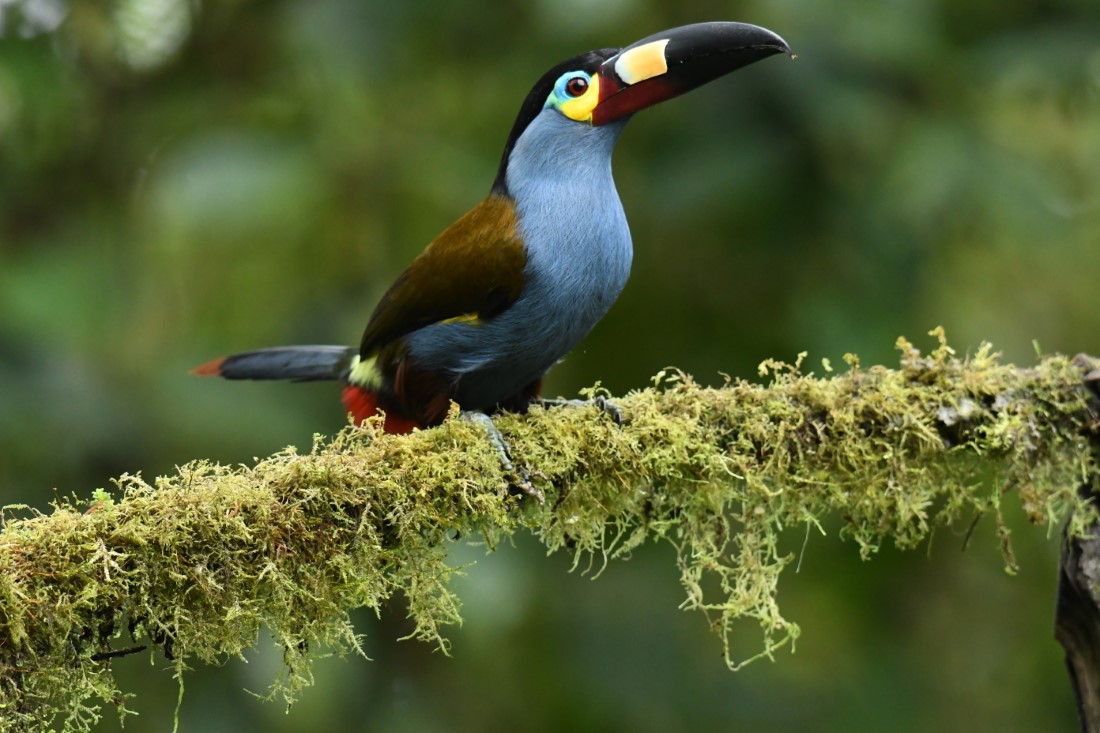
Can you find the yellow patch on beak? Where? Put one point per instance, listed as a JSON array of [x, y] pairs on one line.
[[643, 62], [580, 108]]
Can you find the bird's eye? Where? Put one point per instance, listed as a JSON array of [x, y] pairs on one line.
[[576, 86]]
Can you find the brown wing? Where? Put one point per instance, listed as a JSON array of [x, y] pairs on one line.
[[474, 268]]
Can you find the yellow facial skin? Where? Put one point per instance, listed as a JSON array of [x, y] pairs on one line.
[[580, 108]]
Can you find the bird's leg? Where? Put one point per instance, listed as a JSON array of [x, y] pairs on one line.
[[498, 441], [604, 405], [501, 445]]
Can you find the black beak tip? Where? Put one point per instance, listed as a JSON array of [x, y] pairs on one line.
[[775, 41], [742, 37]]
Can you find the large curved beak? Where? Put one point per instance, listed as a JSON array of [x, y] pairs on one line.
[[675, 61]]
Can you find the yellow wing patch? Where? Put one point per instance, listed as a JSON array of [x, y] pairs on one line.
[[470, 318]]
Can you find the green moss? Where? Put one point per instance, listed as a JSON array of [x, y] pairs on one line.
[[197, 563]]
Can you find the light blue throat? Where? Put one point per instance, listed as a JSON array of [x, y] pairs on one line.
[[578, 260]]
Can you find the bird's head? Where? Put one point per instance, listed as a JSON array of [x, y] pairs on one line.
[[608, 85]]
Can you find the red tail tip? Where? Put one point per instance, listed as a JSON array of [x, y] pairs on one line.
[[209, 369]]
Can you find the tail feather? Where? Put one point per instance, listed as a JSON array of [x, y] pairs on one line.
[[296, 363], [306, 364]]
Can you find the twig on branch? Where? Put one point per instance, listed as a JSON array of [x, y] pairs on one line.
[[198, 562]]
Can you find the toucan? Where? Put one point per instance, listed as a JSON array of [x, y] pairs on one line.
[[509, 289]]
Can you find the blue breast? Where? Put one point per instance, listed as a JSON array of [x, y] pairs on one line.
[[578, 260]]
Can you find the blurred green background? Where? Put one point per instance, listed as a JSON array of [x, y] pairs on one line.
[[180, 179]]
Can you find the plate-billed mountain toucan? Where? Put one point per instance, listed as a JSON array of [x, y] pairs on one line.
[[508, 289]]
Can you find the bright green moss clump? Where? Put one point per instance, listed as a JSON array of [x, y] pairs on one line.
[[198, 562]]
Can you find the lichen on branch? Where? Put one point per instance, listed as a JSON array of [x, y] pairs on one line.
[[195, 564]]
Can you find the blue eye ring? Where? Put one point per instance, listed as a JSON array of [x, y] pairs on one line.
[[572, 85]]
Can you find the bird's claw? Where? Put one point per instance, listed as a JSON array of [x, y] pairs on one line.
[[609, 408], [501, 445], [601, 403], [524, 484]]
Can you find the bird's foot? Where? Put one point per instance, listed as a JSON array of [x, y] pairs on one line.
[[501, 445], [604, 405]]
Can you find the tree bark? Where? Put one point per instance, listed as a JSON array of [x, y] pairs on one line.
[[1077, 616]]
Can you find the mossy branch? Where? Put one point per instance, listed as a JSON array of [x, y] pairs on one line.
[[199, 562]]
